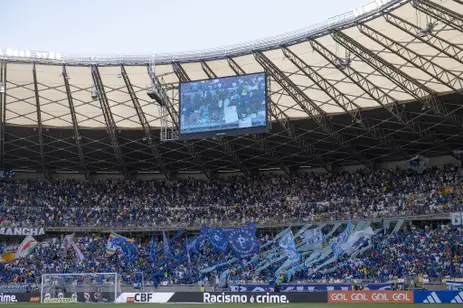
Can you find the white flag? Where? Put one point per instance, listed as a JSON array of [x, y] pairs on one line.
[[67, 242], [26, 247], [357, 240], [79, 254]]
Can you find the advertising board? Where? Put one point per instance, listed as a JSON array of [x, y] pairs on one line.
[[438, 297], [224, 297], [11, 298], [402, 297]]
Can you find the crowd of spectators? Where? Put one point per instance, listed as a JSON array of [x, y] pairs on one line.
[[232, 201], [432, 253]]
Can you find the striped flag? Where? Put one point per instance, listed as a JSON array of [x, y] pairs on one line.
[[26, 247]]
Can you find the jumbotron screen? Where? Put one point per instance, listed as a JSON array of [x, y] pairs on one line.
[[223, 106]]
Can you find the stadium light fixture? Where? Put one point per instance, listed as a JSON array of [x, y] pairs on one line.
[[428, 29], [342, 64], [94, 94], [154, 95]]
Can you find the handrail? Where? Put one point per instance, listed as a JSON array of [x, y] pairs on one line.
[[341, 21], [267, 225]]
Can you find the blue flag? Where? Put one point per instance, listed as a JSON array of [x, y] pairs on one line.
[[243, 241], [337, 249], [188, 255], [128, 249], [152, 250], [176, 236], [342, 238], [199, 242], [167, 253], [288, 247], [218, 238]]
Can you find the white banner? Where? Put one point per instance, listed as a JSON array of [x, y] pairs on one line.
[[154, 298], [456, 218], [22, 231], [356, 239]]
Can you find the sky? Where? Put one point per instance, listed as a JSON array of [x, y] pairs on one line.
[[105, 27]]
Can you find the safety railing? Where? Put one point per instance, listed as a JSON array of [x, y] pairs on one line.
[[273, 224]]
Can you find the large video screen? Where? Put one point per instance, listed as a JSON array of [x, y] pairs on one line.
[[223, 106]]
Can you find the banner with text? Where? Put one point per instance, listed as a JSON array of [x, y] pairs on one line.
[[346, 297], [22, 231]]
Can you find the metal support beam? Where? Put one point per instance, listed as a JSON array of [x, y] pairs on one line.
[[443, 14], [109, 119], [75, 123], [376, 93], [2, 113], [434, 70], [157, 83], [181, 74], [346, 104], [153, 144], [39, 122], [226, 145], [235, 67], [310, 107], [407, 83], [449, 49], [207, 70], [286, 123]]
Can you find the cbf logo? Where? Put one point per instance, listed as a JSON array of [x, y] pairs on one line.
[[243, 241]]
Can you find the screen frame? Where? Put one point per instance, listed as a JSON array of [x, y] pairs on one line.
[[229, 131]]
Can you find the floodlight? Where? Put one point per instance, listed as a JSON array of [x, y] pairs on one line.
[[154, 95], [94, 94], [342, 64], [428, 30]]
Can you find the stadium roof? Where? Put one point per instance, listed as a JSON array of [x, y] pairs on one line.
[[380, 83]]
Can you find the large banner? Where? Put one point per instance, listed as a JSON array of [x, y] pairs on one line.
[[13, 298], [308, 287], [223, 297], [78, 297], [242, 241], [456, 218], [22, 231], [346, 297], [438, 297]]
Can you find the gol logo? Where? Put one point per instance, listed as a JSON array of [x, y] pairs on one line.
[[370, 297]]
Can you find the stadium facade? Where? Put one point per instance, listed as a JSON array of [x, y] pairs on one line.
[[379, 84]]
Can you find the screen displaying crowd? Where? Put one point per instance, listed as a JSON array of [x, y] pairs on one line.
[[223, 104]]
